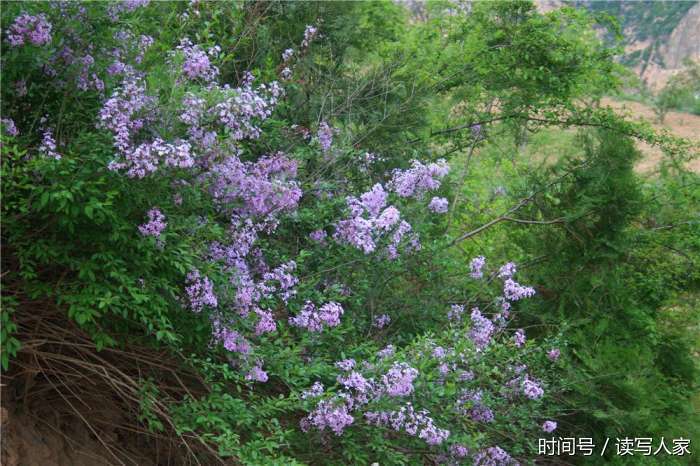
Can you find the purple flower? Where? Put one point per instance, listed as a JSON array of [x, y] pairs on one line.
[[493, 456], [34, 29], [507, 271], [48, 145], [287, 54], [155, 225], [325, 136], [532, 389], [387, 352], [476, 266], [513, 291], [200, 291], [256, 374], [455, 312], [398, 381], [345, 364], [328, 415], [381, 321], [197, 64], [549, 426], [309, 35], [9, 127], [418, 179], [315, 391], [482, 329], [519, 337], [439, 205], [354, 380], [413, 423], [553, 354], [314, 319], [266, 324], [458, 450]]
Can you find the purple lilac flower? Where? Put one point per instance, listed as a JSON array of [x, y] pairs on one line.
[[482, 329], [325, 136], [549, 426], [345, 364], [398, 381], [256, 374], [197, 64], [200, 291], [519, 337], [318, 236], [387, 352], [314, 319], [381, 321], [315, 391], [48, 145], [155, 225], [476, 266], [439, 352], [354, 380], [553, 354], [507, 271], [287, 54], [513, 291], [29, 28], [9, 127], [328, 415], [309, 35], [286, 73], [413, 423], [418, 179], [266, 324], [532, 389], [455, 313], [439, 205], [233, 341], [493, 456], [458, 450]]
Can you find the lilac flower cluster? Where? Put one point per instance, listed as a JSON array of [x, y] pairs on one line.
[[8, 126], [412, 422], [381, 321], [318, 236], [477, 267], [471, 403], [309, 35], [439, 205], [553, 354], [315, 319], [455, 313], [155, 225], [48, 145], [549, 426], [197, 64], [519, 337], [482, 329], [243, 105], [398, 381], [370, 220], [200, 291], [28, 28], [330, 415], [419, 179], [325, 136], [122, 6], [494, 456], [257, 374], [513, 291], [315, 391], [532, 389]]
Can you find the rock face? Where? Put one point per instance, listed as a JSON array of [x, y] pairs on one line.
[[658, 36]]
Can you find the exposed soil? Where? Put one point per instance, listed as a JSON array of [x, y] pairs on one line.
[[685, 125]]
